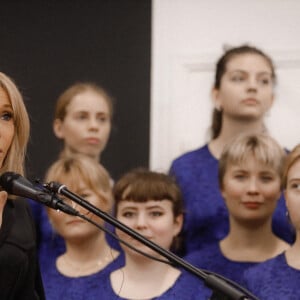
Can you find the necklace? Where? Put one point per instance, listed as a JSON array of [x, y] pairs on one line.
[[69, 268]]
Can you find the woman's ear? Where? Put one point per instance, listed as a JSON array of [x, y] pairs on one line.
[[57, 128], [216, 100], [178, 222]]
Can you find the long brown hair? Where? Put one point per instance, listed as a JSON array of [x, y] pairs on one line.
[[220, 71]]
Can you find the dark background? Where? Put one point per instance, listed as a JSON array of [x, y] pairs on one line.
[[48, 45]]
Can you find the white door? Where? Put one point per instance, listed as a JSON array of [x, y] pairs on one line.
[[188, 37]]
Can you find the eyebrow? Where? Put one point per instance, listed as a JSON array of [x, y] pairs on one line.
[[7, 106], [294, 179], [147, 207], [243, 71]]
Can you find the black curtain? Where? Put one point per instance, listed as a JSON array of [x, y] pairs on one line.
[[48, 45]]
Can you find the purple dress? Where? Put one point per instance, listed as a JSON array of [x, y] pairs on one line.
[[58, 286], [186, 287], [50, 244], [206, 218], [211, 258], [274, 280]]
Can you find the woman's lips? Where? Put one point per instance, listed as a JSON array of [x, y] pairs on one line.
[[93, 141], [252, 205]]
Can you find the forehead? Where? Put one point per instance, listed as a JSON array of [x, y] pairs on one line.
[[251, 164], [167, 204], [4, 99], [294, 171], [249, 62], [88, 101]]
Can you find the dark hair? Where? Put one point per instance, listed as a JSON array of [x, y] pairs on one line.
[[142, 185], [220, 71]]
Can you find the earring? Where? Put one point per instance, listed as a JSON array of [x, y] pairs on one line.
[[218, 107]]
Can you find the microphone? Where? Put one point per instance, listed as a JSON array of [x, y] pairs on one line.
[[16, 184]]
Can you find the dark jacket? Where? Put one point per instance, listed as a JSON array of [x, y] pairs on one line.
[[20, 277]]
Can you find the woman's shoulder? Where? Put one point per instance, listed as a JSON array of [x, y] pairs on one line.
[[193, 154], [17, 228], [204, 256], [187, 287], [273, 279], [194, 161]]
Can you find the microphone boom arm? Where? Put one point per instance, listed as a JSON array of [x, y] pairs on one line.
[[214, 282]]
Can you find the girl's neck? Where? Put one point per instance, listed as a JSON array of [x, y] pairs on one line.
[[252, 244], [292, 254], [143, 278], [67, 152], [85, 257], [230, 129]]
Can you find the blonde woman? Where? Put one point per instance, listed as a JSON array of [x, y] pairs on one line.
[[79, 271], [250, 169], [19, 269]]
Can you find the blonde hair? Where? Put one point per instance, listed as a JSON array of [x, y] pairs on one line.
[[14, 160], [80, 167], [78, 88], [291, 159], [264, 148]]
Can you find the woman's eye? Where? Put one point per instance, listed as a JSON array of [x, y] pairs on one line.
[[237, 78], [295, 186], [6, 116], [81, 116], [266, 178], [156, 213], [239, 176], [102, 119], [265, 81], [128, 214]]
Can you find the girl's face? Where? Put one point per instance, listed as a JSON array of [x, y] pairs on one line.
[[251, 190], [86, 126], [292, 194], [152, 219], [246, 90], [72, 227], [7, 127]]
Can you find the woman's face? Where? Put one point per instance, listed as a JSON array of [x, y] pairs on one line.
[[86, 126], [246, 89], [152, 219], [292, 194], [72, 227], [251, 191], [7, 128]]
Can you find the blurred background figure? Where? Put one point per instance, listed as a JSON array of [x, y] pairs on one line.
[[151, 204], [82, 121], [250, 171], [279, 278], [243, 93], [78, 273]]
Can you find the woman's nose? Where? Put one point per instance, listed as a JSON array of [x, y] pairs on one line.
[[141, 221], [252, 84], [93, 123], [253, 186]]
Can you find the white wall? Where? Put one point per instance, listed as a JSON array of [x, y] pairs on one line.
[[187, 38]]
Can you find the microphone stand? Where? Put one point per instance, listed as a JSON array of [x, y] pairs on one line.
[[220, 286]]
